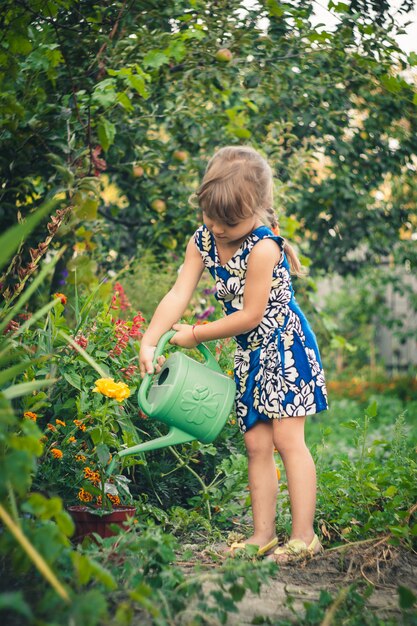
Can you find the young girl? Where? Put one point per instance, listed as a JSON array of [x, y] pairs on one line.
[[278, 370]]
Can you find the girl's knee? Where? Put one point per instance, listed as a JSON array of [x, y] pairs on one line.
[[258, 441], [289, 442], [285, 447], [288, 435]]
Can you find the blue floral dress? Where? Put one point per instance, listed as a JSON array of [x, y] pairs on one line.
[[278, 370]]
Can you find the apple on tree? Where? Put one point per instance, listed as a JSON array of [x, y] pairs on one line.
[[158, 205], [224, 55]]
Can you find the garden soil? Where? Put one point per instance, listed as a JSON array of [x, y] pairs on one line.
[[374, 562]]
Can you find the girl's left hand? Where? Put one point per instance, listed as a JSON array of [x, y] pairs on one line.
[[184, 337]]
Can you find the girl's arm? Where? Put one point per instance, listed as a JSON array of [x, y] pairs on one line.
[[172, 305], [262, 259]]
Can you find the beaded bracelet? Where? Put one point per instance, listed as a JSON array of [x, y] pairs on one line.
[[194, 335]]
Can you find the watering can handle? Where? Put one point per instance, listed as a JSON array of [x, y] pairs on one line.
[[210, 361]]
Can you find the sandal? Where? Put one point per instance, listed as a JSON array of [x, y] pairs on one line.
[[237, 546], [296, 549]]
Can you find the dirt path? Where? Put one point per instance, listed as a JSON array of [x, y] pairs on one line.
[[378, 563]]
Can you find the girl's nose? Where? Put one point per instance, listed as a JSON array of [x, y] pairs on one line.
[[218, 231]]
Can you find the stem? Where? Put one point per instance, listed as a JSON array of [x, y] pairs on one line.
[[331, 611], [200, 480], [33, 554], [13, 503]]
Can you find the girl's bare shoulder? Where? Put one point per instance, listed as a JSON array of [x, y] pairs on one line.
[[265, 251]]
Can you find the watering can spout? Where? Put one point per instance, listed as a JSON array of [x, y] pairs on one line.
[[173, 438]]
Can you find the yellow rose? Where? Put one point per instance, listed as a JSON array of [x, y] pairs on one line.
[[111, 389]]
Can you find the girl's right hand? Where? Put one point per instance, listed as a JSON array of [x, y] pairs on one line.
[[146, 357]]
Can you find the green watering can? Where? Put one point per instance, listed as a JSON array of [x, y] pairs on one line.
[[194, 399]]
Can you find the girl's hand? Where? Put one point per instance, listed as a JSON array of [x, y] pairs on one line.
[[146, 357], [184, 337]]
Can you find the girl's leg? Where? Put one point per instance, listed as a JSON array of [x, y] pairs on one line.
[[288, 436], [263, 482]]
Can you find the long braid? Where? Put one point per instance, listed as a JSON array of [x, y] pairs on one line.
[[273, 220]]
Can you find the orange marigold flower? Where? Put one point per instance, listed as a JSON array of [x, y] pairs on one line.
[[84, 496], [80, 425], [93, 477], [56, 453], [60, 422], [30, 416], [62, 297], [80, 458], [51, 427], [113, 499], [71, 439]]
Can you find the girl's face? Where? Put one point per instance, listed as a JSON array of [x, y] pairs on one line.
[[231, 233]]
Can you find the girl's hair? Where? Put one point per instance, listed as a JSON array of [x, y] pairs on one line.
[[238, 183]]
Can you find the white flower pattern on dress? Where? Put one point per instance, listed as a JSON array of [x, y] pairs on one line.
[[278, 370]]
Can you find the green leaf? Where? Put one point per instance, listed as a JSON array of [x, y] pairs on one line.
[[412, 58], [339, 7], [17, 468], [90, 608], [124, 101], [6, 412], [23, 389], [137, 82], [237, 592], [155, 59], [399, 531], [106, 133], [251, 549], [391, 83], [372, 409], [20, 44], [87, 210], [74, 379], [275, 8], [103, 575], [103, 454], [14, 370], [177, 50], [242, 133], [14, 601], [406, 597], [193, 33], [65, 523]]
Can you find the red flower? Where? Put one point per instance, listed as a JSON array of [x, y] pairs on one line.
[[81, 341], [119, 299], [11, 327], [62, 297]]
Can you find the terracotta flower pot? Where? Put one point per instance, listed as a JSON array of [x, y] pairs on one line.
[[88, 522]]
